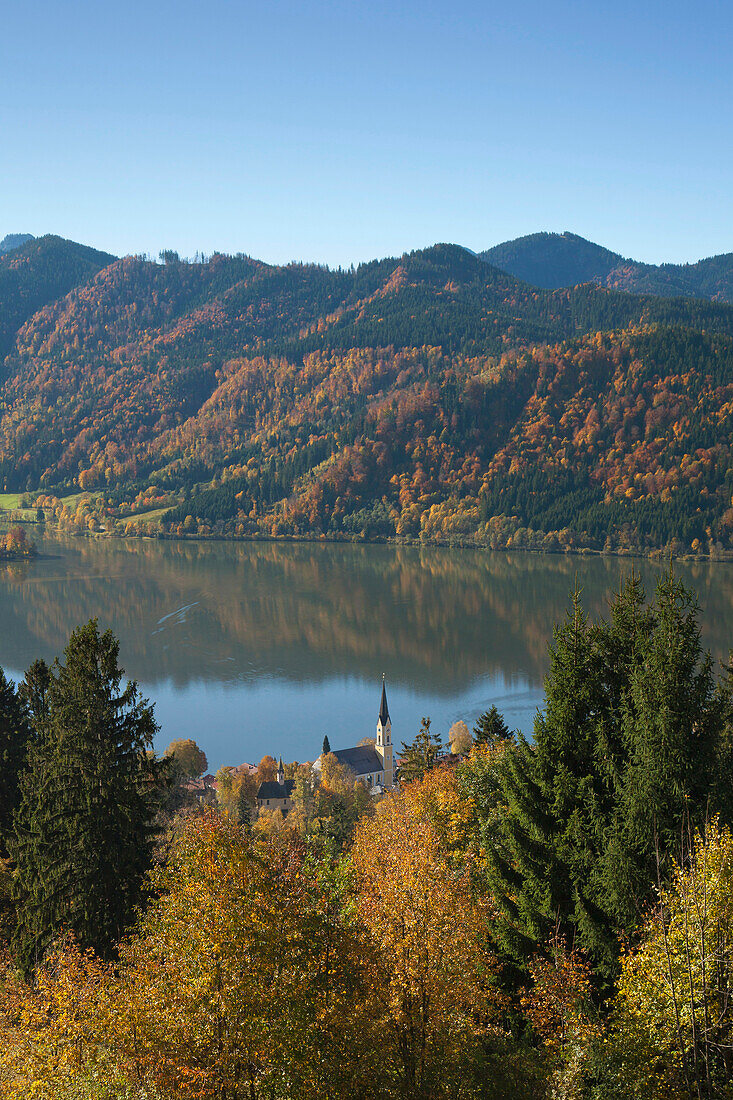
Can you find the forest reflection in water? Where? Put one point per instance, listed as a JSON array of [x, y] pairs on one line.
[[280, 643]]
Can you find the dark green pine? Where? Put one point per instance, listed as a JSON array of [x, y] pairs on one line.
[[633, 743], [675, 728], [84, 827], [419, 756], [559, 791], [490, 728], [13, 748]]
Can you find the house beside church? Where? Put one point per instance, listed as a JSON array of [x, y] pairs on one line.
[[276, 794], [372, 764]]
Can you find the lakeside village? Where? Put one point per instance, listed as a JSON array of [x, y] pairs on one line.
[[271, 790]]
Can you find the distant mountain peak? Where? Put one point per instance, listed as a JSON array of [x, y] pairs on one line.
[[555, 260], [12, 241]]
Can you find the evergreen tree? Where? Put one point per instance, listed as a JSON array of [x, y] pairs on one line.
[[34, 694], [244, 808], [84, 826], [326, 746], [13, 745], [629, 742], [542, 870], [675, 722], [419, 757], [490, 728]]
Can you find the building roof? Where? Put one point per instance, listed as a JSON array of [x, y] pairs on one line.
[[244, 769], [362, 760], [273, 789], [383, 708]]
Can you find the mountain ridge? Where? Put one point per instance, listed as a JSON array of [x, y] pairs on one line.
[[12, 241], [428, 396], [555, 260]]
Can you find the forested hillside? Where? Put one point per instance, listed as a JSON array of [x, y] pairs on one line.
[[430, 396], [554, 260], [38, 272], [14, 240]]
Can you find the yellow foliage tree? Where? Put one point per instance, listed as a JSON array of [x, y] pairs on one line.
[[432, 939], [674, 1011]]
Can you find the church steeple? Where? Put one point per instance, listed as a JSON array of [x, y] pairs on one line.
[[384, 740], [383, 708], [281, 772]]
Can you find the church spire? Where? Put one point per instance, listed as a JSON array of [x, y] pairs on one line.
[[383, 744], [383, 709]]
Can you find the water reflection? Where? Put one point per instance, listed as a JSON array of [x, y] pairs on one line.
[[260, 626]]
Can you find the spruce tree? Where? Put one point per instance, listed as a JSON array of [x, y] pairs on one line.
[[13, 747], [419, 756], [674, 724], [84, 827], [629, 744], [244, 807], [557, 804], [491, 728], [326, 746]]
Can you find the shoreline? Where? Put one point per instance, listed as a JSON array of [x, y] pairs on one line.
[[662, 554]]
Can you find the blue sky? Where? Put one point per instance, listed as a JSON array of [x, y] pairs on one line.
[[341, 131]]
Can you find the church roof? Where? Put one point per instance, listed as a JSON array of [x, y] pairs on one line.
[[273, 789], [383, 709], [362, 760]]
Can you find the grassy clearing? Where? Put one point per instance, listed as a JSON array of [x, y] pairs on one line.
[[148, 517]]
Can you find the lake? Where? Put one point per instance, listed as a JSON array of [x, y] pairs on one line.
[[254, 648]]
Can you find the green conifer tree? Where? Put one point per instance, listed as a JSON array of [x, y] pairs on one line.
[[419, 756], [84, 827], [626, 746], [13, 747], [674, 725], [491, 728], [244, 808], [556, 797], [326, 746]]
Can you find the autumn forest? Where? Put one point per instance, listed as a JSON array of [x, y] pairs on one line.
[[431, 397]]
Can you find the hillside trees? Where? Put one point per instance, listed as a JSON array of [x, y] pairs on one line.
[[429, 397], [84, 824]]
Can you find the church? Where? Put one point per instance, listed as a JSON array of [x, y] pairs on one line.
[[277, 794], [373, 764]]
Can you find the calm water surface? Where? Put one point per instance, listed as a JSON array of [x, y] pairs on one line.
[[265, 647]]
